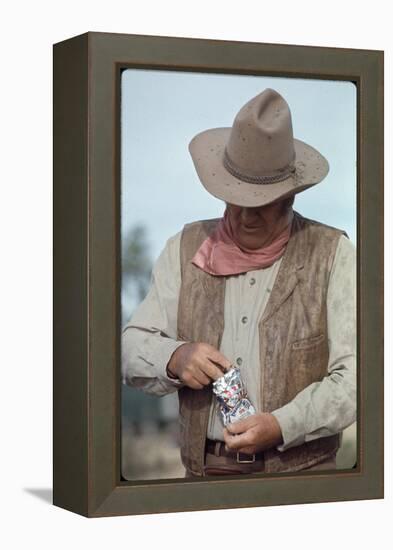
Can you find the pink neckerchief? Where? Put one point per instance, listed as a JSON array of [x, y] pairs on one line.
[[220, 255]]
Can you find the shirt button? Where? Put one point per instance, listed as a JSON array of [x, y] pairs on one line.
[[252, 281], [239, 361], [244, 320]]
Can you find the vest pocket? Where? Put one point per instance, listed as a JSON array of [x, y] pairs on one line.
[[309, 342], [309, 361]]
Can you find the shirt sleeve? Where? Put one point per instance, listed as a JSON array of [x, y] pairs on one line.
[[327, 407], [150, 337]]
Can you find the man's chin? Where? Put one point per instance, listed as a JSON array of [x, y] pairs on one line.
[[252, 244], [252, 230]]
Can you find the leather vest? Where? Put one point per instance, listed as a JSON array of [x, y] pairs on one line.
[[293, 337]]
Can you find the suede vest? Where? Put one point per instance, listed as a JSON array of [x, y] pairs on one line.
[[293, 337]]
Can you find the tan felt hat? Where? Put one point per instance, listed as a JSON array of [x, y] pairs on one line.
[[257, 161]]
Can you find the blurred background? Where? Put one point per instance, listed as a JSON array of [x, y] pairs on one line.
[[161, 111]]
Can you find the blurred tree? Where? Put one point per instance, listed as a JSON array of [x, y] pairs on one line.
[[136, 269], [137, 407]]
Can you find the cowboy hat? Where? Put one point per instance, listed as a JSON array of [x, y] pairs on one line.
[[257, 161]]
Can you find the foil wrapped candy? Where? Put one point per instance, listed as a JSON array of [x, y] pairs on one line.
[[232, 397]]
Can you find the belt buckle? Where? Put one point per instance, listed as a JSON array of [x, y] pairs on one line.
[[251, 460]]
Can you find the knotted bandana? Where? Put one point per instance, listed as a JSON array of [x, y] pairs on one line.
[[220, 255]]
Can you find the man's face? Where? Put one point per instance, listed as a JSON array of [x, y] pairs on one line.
[[258, 226]]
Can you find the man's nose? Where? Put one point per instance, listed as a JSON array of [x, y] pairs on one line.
[[248, 215]]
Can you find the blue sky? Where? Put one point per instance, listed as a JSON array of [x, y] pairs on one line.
[[163, 110]]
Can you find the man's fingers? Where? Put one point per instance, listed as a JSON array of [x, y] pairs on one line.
[[211, 370], [240, 426], [236, 442], [194, 384], [204, 365], [201, 377], [217, 358], [250, 450], [190, 380]]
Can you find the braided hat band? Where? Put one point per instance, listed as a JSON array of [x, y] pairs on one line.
[[259, 180]]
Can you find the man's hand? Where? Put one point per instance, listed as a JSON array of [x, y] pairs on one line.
[[197, 364], [253, 434]]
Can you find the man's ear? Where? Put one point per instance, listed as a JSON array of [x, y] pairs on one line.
[[289, 201], [287, 204]]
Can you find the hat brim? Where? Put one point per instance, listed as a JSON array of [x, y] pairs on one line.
[[207, 150]]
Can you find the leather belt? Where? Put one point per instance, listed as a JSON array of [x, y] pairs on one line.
[[229, 459], [218, 449]]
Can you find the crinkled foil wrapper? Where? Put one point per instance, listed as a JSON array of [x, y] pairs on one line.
[[232, 397]]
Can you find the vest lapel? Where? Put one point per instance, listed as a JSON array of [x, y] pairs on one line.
[[289, 273], [214, 288]]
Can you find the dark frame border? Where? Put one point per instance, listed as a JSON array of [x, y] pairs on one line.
[[86, 414]]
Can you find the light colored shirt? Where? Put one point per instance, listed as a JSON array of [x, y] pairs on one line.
[[323, 408]]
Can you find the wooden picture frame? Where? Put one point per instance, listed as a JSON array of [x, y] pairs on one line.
[[86, 414]]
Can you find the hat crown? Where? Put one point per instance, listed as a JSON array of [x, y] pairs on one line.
[[261, 139]]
